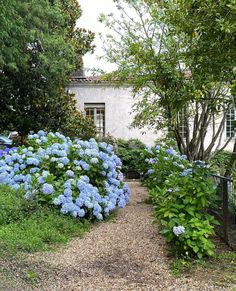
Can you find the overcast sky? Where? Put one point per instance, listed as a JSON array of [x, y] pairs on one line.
[[89, 20]]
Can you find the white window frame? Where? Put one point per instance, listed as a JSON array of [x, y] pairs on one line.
[[97, 120], [181, 123], [229, 128]]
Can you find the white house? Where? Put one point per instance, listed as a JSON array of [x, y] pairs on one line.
[[111, 109]]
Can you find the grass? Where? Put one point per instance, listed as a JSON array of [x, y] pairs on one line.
[[26, 226], [221, 268], [179, 266]]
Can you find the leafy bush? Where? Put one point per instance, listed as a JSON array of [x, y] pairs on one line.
[[181, 193], [130, 152], [220, 162], [77, 125], [163, 161], [82, 178]]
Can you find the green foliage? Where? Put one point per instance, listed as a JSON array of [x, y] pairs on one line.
[[73, 123], [170, 60], [220, 161], [26, 226], [212, 31], [130, 152], [219, 268], [37, 59], [181, 193], [179, 266], [13, 206]]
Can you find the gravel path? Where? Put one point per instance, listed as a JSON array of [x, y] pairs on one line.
[[124, 254]]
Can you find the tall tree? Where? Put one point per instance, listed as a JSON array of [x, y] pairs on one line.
[[161, 63], [213, 25], [40, 47]]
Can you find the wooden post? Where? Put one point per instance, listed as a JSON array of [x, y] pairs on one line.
[[225, 209]]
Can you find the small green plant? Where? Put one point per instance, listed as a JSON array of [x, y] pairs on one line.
[[13, 205], [180, 265], [31, 277]]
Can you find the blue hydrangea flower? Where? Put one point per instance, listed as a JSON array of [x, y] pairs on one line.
[[150, 171], [81, 213], [99, 216], [178, 230], [94, 160], [70, 173], [183, 157], [47, 189], [40, 180], [171, 151], [187, 172]]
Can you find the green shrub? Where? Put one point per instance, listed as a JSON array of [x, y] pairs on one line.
[[220, 162], [77, 125], [181, 193], [130, 152]]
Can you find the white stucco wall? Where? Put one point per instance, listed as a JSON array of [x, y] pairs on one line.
[[118, 109], [118, 112], [223, 140]]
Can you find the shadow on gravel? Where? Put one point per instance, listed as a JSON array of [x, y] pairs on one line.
[[117, 266]]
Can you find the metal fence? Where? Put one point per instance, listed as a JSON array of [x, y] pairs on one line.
[[224, 209]]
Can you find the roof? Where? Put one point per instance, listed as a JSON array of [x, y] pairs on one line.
[[109, 79], [87, 80], [79, 77]]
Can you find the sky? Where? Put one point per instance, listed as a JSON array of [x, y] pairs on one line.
[[89, 20]]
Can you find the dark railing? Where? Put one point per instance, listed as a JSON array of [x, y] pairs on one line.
[[224, 209]]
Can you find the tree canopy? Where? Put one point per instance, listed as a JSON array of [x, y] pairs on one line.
[[40, 47], [166, 51]]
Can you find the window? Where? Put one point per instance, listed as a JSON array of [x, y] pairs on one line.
[[181, 121], [230, 117], [96, 111]]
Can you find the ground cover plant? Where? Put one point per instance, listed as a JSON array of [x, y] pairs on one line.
[[27, 226], [181, 193], [81, 178], [219, 268]]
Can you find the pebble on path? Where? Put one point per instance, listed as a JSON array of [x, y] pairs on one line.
[[127, 253]]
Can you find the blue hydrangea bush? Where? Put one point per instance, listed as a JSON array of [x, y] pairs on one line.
[[81, 178], [181, 193], [5, 151]]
